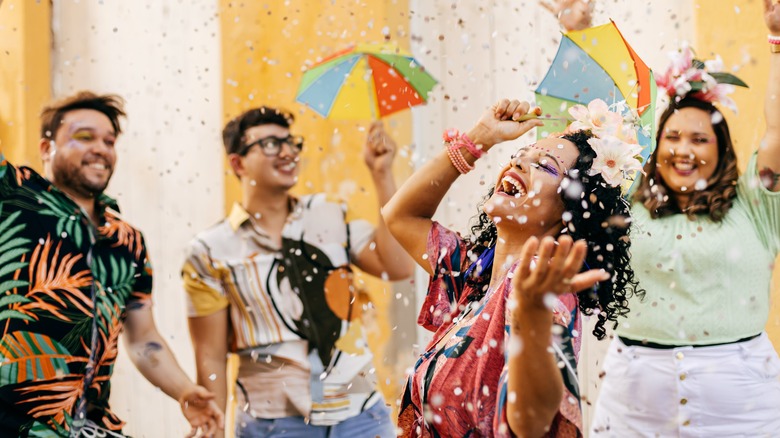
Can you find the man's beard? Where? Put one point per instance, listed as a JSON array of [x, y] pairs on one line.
[[71, 179]]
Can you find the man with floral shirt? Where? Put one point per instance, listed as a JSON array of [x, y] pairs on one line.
[[73, 276]]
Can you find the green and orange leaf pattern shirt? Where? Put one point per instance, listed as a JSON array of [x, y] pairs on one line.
[[65, 287]]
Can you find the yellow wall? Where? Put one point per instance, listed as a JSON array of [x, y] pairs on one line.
[[264, 47], [25, 42], [735, 29]]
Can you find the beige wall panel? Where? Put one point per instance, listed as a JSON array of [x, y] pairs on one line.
[[163, 58]]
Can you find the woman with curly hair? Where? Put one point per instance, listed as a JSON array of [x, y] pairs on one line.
[[506, 303], [692, 359]]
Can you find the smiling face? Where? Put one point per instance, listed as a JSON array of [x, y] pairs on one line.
[[279, 172], [687, 155], [527, 193], [80, 158]]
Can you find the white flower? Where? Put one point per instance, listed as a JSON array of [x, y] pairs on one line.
[[714, 65], [597, 117], [614, 158], [719, 93]]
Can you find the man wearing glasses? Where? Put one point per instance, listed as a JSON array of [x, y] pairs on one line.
[[272, 282]]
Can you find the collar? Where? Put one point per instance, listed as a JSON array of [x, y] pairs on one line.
[[238, 215], [31, 179]]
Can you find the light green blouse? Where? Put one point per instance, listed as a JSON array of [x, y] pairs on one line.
[[705, 282]]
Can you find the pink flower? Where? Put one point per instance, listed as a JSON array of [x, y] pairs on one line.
[[682, 77], [597, 117], [671, 80], [719, 93], [614, 159], [682, 60]]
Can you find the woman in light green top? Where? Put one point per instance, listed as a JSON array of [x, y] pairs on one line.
[[691, 359]]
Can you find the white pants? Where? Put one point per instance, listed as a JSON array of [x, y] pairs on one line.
[[728, 390]]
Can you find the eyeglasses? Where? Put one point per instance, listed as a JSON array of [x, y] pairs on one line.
[[272, 146]]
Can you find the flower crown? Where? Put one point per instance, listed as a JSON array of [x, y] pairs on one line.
[[703, 80], [615, 143]]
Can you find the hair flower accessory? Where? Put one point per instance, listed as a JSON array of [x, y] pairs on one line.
[[618, 154], [596, 117], [615, 159], [703, 80]]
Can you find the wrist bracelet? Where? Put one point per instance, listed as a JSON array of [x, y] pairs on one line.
[[457, 160], [773, 39], [466, 142], [452, 136]]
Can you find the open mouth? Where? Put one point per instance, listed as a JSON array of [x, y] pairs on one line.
[[288, 166], [684, 167], [512, 186], [97, 166]]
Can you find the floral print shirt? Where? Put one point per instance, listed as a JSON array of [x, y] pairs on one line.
[[458, 386], [65, 287]]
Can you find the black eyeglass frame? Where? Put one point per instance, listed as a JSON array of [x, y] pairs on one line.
[[272, 146]]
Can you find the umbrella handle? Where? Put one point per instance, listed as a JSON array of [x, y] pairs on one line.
[[533, 115]]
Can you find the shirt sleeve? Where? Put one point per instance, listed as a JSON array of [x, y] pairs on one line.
[[361, 232], [142, 284], [8, 179], [763, 206], [447, 254], [205, 294]]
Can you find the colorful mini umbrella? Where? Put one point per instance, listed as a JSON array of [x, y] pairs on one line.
[[367, 81], [598, 63]]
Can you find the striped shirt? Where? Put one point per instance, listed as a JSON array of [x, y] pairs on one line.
[[290, 333]]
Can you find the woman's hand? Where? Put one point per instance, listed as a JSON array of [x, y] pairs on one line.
[[772, 16], [556, 271], [499, 123], [571, 14]]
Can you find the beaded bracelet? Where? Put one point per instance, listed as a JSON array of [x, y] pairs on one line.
[[452, 136], [457, 160], [774, 43]]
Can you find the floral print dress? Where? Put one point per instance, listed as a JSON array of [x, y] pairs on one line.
[[458, 386]]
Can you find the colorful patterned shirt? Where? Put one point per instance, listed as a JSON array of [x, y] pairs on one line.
[[65, 286], [295, 320], [459, 385]]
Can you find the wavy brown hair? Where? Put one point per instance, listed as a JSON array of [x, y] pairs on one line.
[[716, 198]]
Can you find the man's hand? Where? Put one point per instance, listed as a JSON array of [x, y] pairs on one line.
[[201, 411], [380, 149]]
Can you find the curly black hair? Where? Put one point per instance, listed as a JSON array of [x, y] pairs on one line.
[[595, 212]]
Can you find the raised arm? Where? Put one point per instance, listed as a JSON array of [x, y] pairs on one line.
[[385, 257], [534, 381], [769, 152], [571, 14], [154, 359], [409, 212]]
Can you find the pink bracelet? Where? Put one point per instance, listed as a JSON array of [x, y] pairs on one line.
[[773, 39], [457, 160], [452, 136]]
